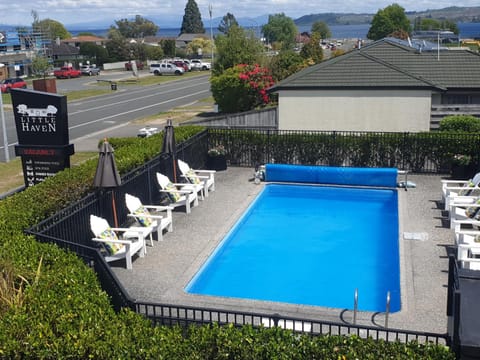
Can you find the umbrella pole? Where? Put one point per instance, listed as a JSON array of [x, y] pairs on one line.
[[115, 220], [174, 169]]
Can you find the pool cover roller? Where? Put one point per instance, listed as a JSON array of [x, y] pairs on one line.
[[381, 177]]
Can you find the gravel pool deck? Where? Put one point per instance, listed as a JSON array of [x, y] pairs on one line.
[[169, 265]]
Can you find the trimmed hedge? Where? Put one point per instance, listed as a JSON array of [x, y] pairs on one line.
[[63, 312]]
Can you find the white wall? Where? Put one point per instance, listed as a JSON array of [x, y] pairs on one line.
[[355, 110]]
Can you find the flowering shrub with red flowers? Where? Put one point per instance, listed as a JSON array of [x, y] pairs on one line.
[[241, 88], [258, 79]]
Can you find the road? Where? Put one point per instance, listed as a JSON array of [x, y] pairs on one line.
[[106, 115]]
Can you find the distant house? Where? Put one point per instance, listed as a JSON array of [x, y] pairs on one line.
[[385, 86], [61, 54], [78, 40], [184, 39]]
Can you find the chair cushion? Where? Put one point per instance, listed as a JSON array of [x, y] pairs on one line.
[[473, 211], [142, 216], [193, 177], [467, 188], [173, 196], [111, 247]]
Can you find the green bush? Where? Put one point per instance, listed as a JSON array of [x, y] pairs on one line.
[[460, 123], [65, 314]]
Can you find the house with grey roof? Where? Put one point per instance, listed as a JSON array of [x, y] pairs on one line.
[[385, 86]]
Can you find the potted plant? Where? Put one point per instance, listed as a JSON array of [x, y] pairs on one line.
[[216, 159], [461, 166]]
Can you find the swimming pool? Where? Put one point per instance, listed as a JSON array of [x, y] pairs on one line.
[[310, 245]]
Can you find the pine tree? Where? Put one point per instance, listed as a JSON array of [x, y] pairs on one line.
[[192, 20]]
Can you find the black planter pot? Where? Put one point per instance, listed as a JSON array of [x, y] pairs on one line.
[[217, 163]]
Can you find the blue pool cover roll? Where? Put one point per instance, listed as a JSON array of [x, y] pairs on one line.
[[382, 177]]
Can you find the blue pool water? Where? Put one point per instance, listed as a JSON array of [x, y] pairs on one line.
[[310, 245]]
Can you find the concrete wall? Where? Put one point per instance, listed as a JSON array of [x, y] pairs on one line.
[[354, 110]]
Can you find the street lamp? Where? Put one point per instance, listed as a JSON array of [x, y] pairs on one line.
[[210, 8]]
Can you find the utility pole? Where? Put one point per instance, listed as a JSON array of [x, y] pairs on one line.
[[210, 8]]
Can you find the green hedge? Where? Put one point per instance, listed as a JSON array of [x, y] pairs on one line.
[[416, 152], [61, 312]]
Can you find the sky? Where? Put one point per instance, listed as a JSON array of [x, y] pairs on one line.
[[169, 13]]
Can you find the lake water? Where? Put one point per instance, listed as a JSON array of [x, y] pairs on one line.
[[467, 30]]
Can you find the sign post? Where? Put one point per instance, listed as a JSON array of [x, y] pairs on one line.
[[41, 120]]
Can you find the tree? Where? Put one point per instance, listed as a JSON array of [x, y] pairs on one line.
[[322, 29], [40, 65], [95, 53], [433, 24], [155, 52], [168, 47], [387, 21], [311, 51], [138, 28], [52, 29], [238, 46], [193, 48], [227, 22], [241, 88], [117, 47], [280, 28], [285, 64], [192, 20]]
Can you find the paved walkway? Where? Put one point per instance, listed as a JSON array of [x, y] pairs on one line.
[[162, 275]]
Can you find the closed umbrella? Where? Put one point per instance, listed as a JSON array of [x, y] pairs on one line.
[[106, 175], [169, 147]]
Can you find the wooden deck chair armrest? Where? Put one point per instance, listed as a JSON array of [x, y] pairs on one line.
[[119, 229], [466, 221], [203, 176], [464, 201], [149, 216], [455, 205], [205, 171], [469, 246], [460, 188], [177, 191], [158, 207], [446, 182], [468, 232], [120, 241]]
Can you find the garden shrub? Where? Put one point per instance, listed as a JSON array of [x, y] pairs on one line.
[[460, 123]]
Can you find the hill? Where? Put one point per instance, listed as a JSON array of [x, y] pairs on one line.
[[453, 13]]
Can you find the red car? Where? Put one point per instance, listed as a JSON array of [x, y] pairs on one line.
[[181, 64], [12, 83]]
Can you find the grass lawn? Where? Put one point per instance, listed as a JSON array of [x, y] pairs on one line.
[[11, 174]]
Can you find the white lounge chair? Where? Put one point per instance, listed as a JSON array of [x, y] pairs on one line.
[[193, 176], [454, 188], [119, 243], [468, 247], [157, 217], [464, 211], [179, 194]]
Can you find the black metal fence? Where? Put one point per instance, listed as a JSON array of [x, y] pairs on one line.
[[70, 230], [430, 152]]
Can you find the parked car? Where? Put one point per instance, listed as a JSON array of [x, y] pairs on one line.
[[198, 64], [89, 70], [181, 64], [128, 65], [166, 68], [67, 72], [12, 83]]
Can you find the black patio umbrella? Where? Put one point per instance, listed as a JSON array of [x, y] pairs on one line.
[[106, 175], [169, 147]]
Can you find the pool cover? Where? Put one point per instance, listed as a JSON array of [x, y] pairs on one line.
[[381, 177]]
